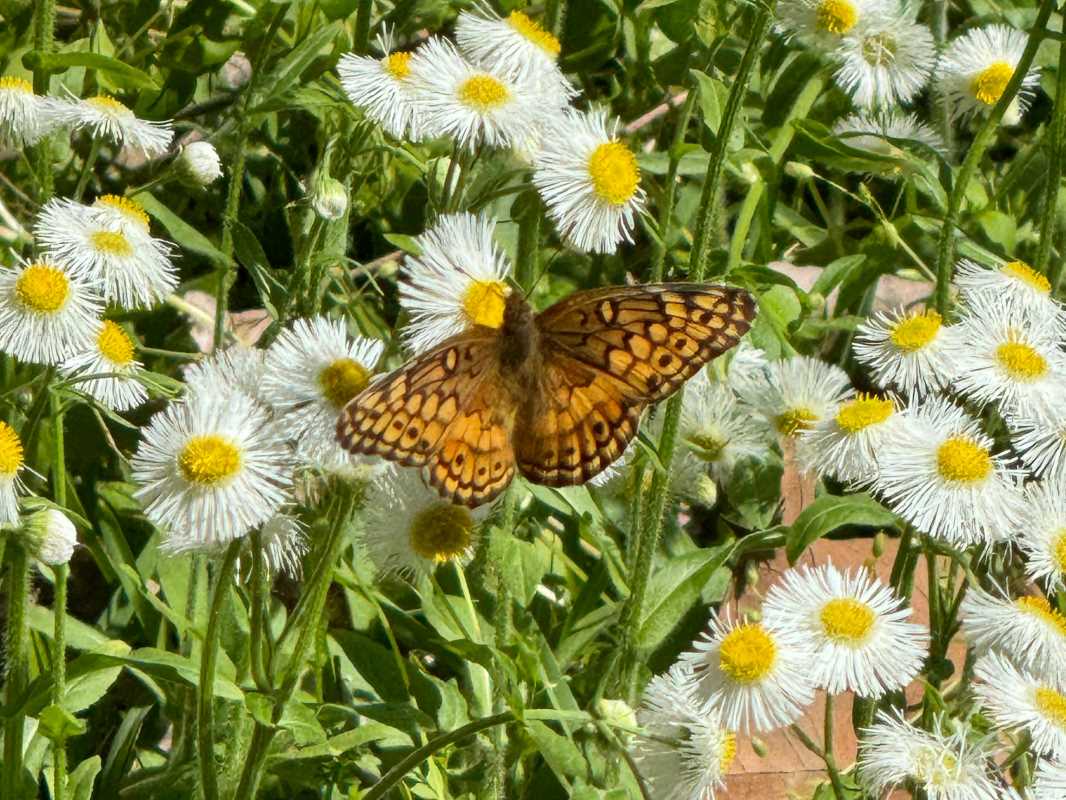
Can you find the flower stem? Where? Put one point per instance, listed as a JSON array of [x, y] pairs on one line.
[[17, 666], [44, 24], [1056, 133], [526, 264], [666, 208], [228, 268], [830, 759], [946, 247], [87, 168], [362, 26], [59, 604], [258, 614]]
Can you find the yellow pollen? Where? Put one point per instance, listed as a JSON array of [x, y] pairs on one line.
[[535, 33], [1026, 274], [915, 331], [1058, 549], [836, 16], [111, 243], [962, 460], [483, 93], [1052, 705], [42, 288], [483, 303], [209, 460], [10, 451], [9, 83], [109, 105], [442, 532], [847, 621], [342, 380], [795, 420], [989, 84], [398, 65], [747, 654], [130, 209], [862, 412], [1020, 361], [614, 173], [114, 344], [1040, 608], [729, 751]]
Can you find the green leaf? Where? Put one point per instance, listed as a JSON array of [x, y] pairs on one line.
[[522, 565], [674, 588], [123, 747], [561, 754], [835, 272], [81, 779], [288, 69], [712, 95], [58, 724], [299, 720], [254, 259], [830, 512], [122, 74], [182, 232]]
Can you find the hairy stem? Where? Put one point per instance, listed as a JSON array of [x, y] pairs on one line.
[[1056, 132], [59, 604], [18, 590]]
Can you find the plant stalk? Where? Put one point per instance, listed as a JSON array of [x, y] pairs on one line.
[[18, 590], [59, 604], [1056, 132]]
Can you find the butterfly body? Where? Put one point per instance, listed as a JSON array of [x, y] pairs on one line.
[[556, 395]]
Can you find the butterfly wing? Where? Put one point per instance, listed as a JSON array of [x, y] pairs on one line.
[[607, 354], [439, 411]]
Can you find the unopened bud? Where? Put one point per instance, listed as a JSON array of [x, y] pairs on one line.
[[50, 536], [800, 172], [879, 544], [705, 491], [198, 164], [750, 173], [236, 72], [759, 746], [329, 198], [617, 713]]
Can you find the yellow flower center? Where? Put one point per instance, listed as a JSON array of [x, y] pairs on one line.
[[862, 412], [398, 65], [1026, 274], [916, 331], [1040, 608], [1020, 361], [442, 532], [114, 344], [111, 243], [614, 173], [10, 451], [483, 303], [130, 209], [483, 93], [747, 654], [1052, 705], [989, 84], [209, 460], [836, 16], [962, 460], [109, 105], [847, 621], [729, 751], [1058, 549], [42, 288], [795, 420], [342, 380], [9, 83], [935, 766], [707, 446], [535, 33]]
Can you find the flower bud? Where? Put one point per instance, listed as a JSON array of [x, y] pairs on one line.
[[236, 72], [50, 536], [800, 172], [198, 164], [616, 713], [329, 198]]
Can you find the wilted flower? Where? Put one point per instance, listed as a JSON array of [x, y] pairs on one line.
[[886, 58]]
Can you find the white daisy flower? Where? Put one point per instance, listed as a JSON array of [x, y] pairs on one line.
[[885, 59], [517, 45], [50, 536], [756, 675], [20, 113], [686, 752], [1027, 629], [821, 23], [1038, 436], [1014, 282], [459, 281], [12, 461], [799, 392], [877, 132], [102, 243], [940, 474], [237, 369], [106, 118], [47, 313], [312, 370], [211, 469], [717, 430], [410, 530], [893, 752], [976, 67], [1049, 782], [1020, 700], [284, 544], [382, 88], [1001, 354], [845, 446], [1041, 531], [589, 181], [476, 106], [857, 626], [747, 364], [112, 354], [906, 351]]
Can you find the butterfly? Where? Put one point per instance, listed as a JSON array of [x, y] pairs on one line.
[[556, 396]]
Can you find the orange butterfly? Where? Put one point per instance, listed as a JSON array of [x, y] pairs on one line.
[[557, 395]]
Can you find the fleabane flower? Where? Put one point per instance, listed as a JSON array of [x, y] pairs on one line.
[[284, 544], [756, 674], [1027, 629], [905, 351], [382, 88], [881, 132], [1041, 531], [940, 473], [106, 118], [237, 369], [976, 67], [474, 105], [686, 752], [885, 59], [458, 282], [311, 372], [1020, 700], [717, 430], [47, 313], [103, 243], [1038, 436], [111, 360], [798, 393], [845, 445], [589, 181], [946, 767], [822, 23], [1049, 781], [12, 460], [1014, 282], [411, 530], [21, 122], [210, 469]]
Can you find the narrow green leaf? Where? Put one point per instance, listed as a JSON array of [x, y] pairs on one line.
[[674, 588], [186, 236], [122, 74], [830, 512]]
